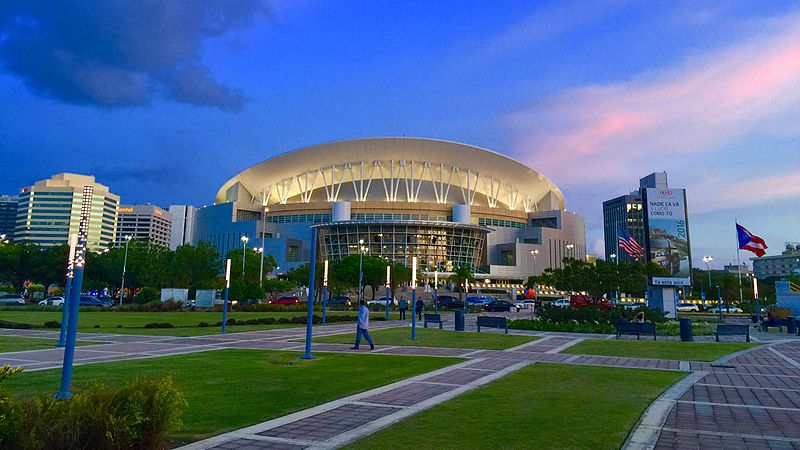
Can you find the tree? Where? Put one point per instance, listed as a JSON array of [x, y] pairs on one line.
[[460, 276]]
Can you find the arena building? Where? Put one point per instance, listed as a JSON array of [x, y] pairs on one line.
[[447, 203]]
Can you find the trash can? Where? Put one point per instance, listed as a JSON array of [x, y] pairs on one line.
[[791, 325], [459, 320], [686, 330]]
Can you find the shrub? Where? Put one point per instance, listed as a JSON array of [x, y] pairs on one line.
[[268, 307], [52, 324], [15, 325], [284, 320], [203, 325], [135, 415], [147, 295], [159, 325]]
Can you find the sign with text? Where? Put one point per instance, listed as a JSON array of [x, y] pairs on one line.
[[667, 234]]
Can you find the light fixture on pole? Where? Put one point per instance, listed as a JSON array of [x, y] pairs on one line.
[[755, 295], [707, 260], [73, 243], [227, 290], [414, 298], [124, 268], [388, 281], [570, 253], [324, 292], [244, 248], [534, 253]]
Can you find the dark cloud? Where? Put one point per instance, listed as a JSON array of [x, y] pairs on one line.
[[117, 53]]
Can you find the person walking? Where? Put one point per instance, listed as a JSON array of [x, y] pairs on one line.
[[403, 306], [420, 306], [363, 326]]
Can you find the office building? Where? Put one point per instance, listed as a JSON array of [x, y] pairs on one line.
[[49, 211], [448, 204], [144, 223], [783, 265], [8, 216], [183, 219], [622, 212]]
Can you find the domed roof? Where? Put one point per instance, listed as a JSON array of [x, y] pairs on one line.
[[392, 169]]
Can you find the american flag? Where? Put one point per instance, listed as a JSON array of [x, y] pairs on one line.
[[629, 244]]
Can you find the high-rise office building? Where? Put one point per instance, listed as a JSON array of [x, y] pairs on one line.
[[183, 220], [144, 223], [626, 211], [8, 216], [49, 211]]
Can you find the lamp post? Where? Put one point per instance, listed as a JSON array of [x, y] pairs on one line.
[[707, 260], [124, 269], [570, 247], [312, 272], [263, 245], [360, 267], [436, 290], [536, 288], [414, 298], [227, 290], [73, 243], [244, 249], [719, 302], [388, 281], [324, 292], [755, 295]]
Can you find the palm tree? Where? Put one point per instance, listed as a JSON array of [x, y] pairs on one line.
[[460, 276]]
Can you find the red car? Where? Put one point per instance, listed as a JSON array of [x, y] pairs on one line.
[[582, 301], [286, 300]]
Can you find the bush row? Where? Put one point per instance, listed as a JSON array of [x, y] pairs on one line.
[[668, 328], [134, 415]]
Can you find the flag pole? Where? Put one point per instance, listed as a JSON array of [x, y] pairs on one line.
[[738, 263]]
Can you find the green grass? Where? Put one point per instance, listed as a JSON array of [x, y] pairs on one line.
[[230, 389], [541, 406], [134, 322], [685, 351], [21, 344], [431, 337]]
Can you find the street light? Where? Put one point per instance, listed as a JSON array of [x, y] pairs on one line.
[[244, 248], [613, 256], [360, 267], [534, 253], [707, 260], [124, 268], [570, 247]]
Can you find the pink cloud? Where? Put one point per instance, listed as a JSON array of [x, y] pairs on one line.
[[664, 120]]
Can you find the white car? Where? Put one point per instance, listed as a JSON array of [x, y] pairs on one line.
[[726, 309], [382, 301], [525, 304], [562, 303], [687, 307], [53, 301], [635, 305]]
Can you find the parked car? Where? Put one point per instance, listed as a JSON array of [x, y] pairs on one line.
[[687, 307], [525, 304], [448, 301], [635, 305], [55, 300], [561, 303], [88, 300], [286, 300], [339, 300], [726, 309], [479, 301], [381, 301], [583, 301], [12, 299], [499, 305]]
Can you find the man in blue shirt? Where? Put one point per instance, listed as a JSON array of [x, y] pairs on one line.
[[363, 326]]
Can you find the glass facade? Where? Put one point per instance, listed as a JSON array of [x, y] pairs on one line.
[[624, 211], [436, 244]]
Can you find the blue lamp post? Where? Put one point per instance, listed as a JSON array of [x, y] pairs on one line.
[[73, 242], [75, 295], [436, 290], [227, 290], [388, 280], [414, 298], [719, 303], [325, 293], [312, 269]]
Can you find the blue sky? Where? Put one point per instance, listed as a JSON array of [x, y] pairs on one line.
[[164, 101]]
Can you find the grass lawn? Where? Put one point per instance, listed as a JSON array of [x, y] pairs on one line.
[[134, 322], [432, 337], [20, 344], [540, 406], [685, 351], [230, 389]]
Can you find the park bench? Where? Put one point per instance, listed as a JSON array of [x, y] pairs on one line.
[[433, 318], [638, 329], [731, 330], [492, 322]]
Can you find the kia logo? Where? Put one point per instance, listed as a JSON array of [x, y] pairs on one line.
[[666, 192]]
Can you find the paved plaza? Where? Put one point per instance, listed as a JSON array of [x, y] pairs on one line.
[[749, 399]]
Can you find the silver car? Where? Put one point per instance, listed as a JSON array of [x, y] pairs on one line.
[[55, 300], [12, 299]]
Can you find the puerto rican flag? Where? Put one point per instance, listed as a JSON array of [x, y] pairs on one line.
[[751, 242]]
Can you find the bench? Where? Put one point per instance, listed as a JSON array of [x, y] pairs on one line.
[[492, 322], [730, 330], [433, 318], [638, 329], [780, 323]]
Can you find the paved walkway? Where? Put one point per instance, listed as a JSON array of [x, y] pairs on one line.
[[748, 400]]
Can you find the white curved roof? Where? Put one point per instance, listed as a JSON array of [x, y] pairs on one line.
[[392, 169]]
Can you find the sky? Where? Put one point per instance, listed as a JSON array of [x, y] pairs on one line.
[[165, 101]]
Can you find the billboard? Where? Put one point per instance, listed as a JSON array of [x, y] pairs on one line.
[[667, 234]]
